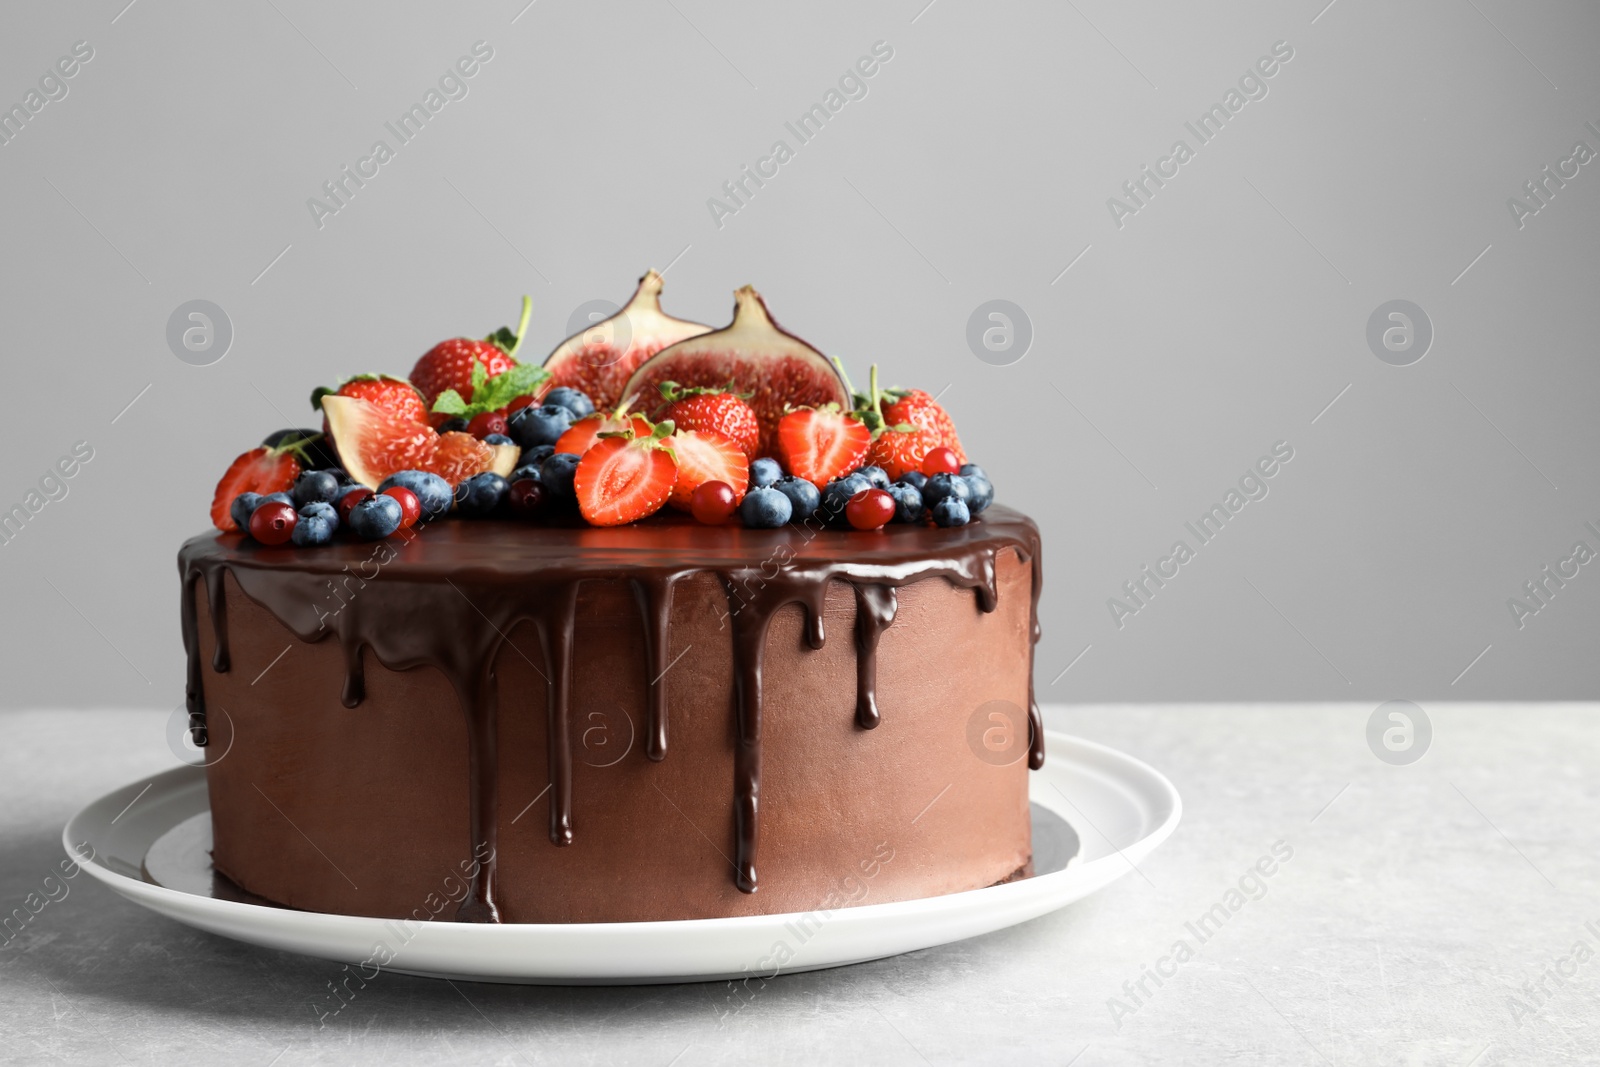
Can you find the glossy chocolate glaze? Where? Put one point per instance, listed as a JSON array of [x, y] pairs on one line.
[[445, 596]]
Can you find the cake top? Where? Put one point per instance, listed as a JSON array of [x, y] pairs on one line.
[[743, 430]]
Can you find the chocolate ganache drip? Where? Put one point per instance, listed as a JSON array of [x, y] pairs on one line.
[[446, 595]]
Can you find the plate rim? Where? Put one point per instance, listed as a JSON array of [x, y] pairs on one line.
[[1026, 895]]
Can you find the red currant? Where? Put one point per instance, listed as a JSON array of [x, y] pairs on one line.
[[869, 509], [940, 460], [410, 506], [712, 502], [489, 422], [351, 498], [527, 497], [273, 523]]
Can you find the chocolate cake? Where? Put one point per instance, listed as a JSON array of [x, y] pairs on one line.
[[665, 720]]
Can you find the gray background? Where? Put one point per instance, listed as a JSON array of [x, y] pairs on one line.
[[1225, 316]]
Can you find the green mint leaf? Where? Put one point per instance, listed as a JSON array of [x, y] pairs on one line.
[[450, 403]]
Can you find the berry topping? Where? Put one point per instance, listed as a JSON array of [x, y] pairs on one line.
[[625, 478], [765, 472], [565, 396], [376, 517], [941, 460], [272, 523], [486, 423], [712, 502], [433, 493], [941, 486], [706, 456], [908, 506], [481, 495], [454, 364], [410, 505], [951, 511], [556, 475], [241, 508], [315, 486], [765, 509], [870, 509], [820, 444], [352, 496], [804, 498], [531, 427], [260, 470], [528, 498], [722, 410]]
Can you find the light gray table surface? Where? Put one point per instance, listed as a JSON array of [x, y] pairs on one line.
[[1430, 914]]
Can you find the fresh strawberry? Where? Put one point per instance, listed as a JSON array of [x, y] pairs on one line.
[[898, 449], [394, 395], [449, 364], [582, 435], [625, 478], [913, 407], [721, 410], [821, 444], [261, 470], [707, 456]]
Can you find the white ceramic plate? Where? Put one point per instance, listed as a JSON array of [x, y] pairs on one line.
[[1096, 813]]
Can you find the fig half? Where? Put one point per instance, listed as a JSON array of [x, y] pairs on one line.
[[774, 367], [599, 359]]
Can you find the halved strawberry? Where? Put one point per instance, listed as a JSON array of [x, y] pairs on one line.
[[625, 478], [582, 435], [261, 470], [707, 456], [821, 444], [374, 443]]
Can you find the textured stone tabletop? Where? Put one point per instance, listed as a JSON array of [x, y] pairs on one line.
[[1443, 912]]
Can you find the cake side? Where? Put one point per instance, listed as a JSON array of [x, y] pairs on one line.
[[446, 759]]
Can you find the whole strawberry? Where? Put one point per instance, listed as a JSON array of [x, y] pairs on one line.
[[899, 444], [394, 395], [901, 448], [448, 364], [913, 407], [720, 410]]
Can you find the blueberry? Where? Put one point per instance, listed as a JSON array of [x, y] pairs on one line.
[[497, 439], [951, 511], [453, 425], [914, 478], [574, 401], [942, 485], [532, 427], [876, 475], [275, 498], [803, 496], [481, 494], [907, 502], [765, 473], [765, 509], [982, 489], [529, 473], [433, 492], [312, 529], [375, 517], [969, 469], [532, 457], [313, 487], [555, 474], [326, 512], [243, 506], [837, 493]]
